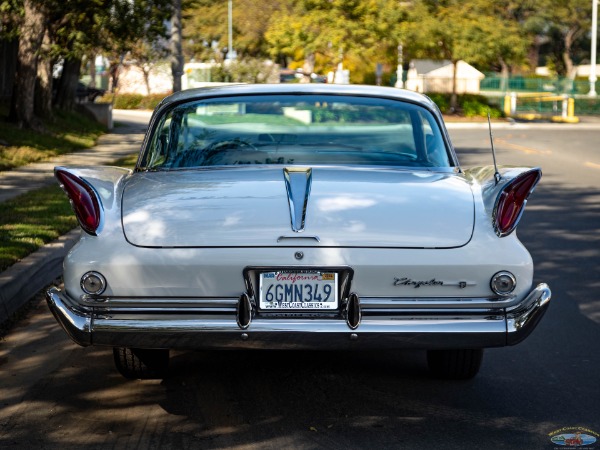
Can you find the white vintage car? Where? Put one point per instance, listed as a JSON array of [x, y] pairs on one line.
[[298, 217]]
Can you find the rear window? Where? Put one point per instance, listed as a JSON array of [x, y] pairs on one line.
[[296, 130]]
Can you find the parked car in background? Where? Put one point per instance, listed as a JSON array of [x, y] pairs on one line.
[[298, 216], [87, 93]]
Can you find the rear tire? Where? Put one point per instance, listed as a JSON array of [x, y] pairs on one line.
[[455, 364], [141, 364]]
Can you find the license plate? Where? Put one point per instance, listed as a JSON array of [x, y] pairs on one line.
[[298, 290]]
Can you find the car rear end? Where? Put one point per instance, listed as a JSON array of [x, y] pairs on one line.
[[226, 236]]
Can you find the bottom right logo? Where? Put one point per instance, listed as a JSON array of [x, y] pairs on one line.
[[574, 437]]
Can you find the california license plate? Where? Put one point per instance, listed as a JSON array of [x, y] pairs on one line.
[[298, 290]]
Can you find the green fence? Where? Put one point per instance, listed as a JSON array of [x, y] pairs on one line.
[[536, 84], [495, 87]]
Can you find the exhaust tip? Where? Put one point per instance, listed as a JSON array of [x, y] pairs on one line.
[[353, 311], [244, 311]]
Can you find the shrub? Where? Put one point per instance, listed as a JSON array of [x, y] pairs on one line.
[[442, 101], [137, 101], [127, 101], [151, 101], [469, 105]]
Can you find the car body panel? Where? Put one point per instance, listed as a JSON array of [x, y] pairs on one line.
[[181, 251], [249, 207]]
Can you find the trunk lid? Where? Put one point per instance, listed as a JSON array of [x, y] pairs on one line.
[[344, 207]]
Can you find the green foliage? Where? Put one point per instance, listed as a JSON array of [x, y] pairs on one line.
[[11, 12], [585, 106], [319, 34], [137, 101], [441, 100], [205, 22], [469, 105], [245, 71], [127, 101]]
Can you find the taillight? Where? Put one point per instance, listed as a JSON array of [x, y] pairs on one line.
[[511, 201], [83, 199]]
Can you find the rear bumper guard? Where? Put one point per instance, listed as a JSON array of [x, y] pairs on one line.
[[458, 330]]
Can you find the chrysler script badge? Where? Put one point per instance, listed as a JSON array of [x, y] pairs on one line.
[[433, 282]]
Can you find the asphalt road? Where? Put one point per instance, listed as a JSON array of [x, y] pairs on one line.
[[54, 394]]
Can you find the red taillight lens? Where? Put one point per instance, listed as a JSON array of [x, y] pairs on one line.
[[84, 200], [511, 201]]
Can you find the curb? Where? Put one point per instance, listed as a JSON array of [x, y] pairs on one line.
[[21, 281]]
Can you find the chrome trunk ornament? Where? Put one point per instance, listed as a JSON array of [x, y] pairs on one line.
[[297, 185]]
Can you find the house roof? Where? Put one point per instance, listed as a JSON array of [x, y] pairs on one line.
[[444, 69], [424, 66]]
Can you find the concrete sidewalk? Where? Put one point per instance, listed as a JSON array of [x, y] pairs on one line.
[[20, 282], [122, 141]]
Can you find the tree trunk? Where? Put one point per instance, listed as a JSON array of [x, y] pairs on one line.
[[568, 41], [92, 62], [146, 73], [115, 71], [504, 74], [67, 85], [176, 48], [43, 87], [32, 32], [308, 67], [454, 96]]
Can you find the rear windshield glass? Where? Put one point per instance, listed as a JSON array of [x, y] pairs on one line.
[[296, 130]]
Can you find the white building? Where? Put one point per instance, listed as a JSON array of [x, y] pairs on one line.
[[426, 75]]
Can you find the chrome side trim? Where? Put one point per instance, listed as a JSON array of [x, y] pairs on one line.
[[160, 304], [393, 305], [396, 304], [297, 185]]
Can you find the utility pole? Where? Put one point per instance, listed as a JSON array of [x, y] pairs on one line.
[[399, 83], [176, 48], [231, 54], [593, 78]]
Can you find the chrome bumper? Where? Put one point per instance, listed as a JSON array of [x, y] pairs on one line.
[[450, 328]]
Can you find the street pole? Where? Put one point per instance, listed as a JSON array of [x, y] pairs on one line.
[[593, 78], [177, 61], [230, 30], [399, 83]]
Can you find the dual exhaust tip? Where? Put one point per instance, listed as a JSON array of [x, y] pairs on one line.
[[351, 312]]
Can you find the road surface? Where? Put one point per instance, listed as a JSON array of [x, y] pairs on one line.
[[54, 394]]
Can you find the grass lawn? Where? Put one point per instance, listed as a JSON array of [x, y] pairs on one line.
[[35, 218], [65, 133], [31, 220]]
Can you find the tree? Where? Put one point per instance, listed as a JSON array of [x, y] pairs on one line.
[[131, 22], [330, 32], [567, 20], [30, 40], [454, 30], [205, 27], [72, 30], [145, 55]]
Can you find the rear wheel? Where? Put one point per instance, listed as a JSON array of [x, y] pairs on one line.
[[141, 364], [456, 364]]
